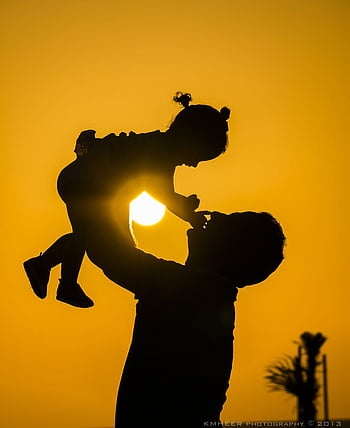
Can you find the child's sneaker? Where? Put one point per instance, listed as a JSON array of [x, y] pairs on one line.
[[72, 293], [38, 273]]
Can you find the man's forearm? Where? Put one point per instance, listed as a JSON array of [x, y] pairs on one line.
[[129, 267]]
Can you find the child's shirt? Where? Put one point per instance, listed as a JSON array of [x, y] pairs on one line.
[[128, 165]]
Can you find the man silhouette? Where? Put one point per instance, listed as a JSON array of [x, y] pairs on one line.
[[179, 363]]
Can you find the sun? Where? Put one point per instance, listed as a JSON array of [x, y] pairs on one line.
[[146, 210]]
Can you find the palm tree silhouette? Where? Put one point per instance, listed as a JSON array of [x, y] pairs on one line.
[[297, 375]]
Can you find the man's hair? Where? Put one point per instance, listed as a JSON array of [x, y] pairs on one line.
[[252, 251]]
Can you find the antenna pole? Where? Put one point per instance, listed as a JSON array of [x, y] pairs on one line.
[[325, 387]]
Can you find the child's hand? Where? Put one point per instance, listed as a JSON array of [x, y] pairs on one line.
[[193, 202], [198, 219]]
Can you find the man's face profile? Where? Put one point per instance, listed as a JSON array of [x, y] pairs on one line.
[[206, 244]]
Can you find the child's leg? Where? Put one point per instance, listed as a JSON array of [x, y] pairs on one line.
[[55, 253], [68, 250], [38, 268], [69, 291]]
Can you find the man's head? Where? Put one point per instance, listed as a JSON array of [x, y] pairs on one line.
[[245, 247]]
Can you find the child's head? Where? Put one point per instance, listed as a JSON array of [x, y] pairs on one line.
[[200, 131]]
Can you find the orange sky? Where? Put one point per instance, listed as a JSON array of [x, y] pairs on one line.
[[282, 66]]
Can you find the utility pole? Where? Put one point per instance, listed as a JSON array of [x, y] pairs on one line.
[[325, 387]]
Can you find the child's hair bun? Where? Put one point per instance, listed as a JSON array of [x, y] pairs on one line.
[[183, 99], [225, 113]]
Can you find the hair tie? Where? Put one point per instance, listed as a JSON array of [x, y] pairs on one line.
[[183, 99], [225, 112]]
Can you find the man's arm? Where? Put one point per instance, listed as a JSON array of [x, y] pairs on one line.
[[131, 268], [141, 273]]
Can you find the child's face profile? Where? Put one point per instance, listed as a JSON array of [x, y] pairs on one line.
[[191, 162], [192, 156]]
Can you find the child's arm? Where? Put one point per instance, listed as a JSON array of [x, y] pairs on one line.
[[182, 206]]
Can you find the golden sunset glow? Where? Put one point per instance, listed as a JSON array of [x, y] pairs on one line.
[[146, 210], [282, 67]]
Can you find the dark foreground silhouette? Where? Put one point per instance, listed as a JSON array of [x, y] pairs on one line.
[[119, 168], [178, 367], [179, 363]]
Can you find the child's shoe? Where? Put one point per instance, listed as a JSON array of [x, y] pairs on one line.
[[38, 273], [72, 293]]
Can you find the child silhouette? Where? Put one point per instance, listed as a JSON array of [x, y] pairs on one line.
[[109, 172]]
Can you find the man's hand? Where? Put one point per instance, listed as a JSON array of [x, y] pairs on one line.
[[87, 135]]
